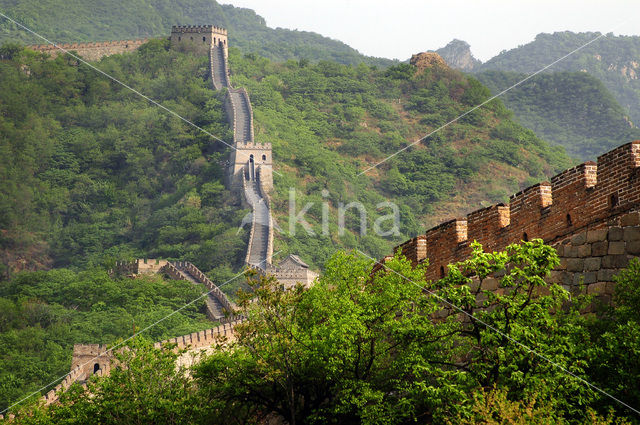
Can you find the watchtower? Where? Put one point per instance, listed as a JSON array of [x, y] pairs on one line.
[[198, 38]]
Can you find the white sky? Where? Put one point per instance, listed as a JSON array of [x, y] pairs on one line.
[[397, 29]]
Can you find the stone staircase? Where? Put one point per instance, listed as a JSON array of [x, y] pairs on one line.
[[242, 116], [257, 251], [219, 72], [219, 307]]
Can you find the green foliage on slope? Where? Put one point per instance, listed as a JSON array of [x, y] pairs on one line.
[[93, 173], [611, 59], [42, 314], [572, 109], [100, 20], [329, 122]]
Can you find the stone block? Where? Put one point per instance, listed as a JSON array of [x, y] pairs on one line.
[[563, 264], [592, 263], [614, 261], [490, 284], [632, 233], [599, 249], [570, 251], [590, 277], [579, 238], [632, 219], [633, 247], [596, 288], [560, 250], [615, 234], [606, 275], [584, 250], [597, 235], [575, 264], [616, 248]]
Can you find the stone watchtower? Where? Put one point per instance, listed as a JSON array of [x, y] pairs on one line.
[[198, 38]]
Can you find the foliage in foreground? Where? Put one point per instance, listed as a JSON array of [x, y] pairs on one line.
[[43, 314], [357, 348]]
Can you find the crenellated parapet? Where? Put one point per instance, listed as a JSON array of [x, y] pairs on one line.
[[584, 197], [92, 51]]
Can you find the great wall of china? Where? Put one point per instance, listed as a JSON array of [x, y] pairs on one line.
[[590, 214]]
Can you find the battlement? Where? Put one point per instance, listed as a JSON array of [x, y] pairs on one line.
[[198, 29], [91, 51], [583, 197]]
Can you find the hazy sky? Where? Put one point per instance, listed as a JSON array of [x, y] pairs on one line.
[[397, 29]]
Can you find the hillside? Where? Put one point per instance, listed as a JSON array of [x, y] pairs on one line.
[[611, 59], [94, 173], [572, 109], [93, 20]]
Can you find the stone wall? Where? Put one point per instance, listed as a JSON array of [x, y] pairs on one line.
[[578, 201], [91, 51], [198, 38]]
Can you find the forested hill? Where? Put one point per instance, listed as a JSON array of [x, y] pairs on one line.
[[92, 173], [102, 20], [572, 109], [614, 60]]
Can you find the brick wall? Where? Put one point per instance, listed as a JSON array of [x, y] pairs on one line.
[[576, 202], [91, 51]]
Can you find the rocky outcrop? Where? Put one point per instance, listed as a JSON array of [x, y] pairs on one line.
[[457, 54], [426, 60]]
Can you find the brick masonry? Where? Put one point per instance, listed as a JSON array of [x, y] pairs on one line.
[[91, 51], [590, 213]]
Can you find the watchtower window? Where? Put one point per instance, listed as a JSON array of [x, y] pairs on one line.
[[569, 221], [525, 237], [264, 157], [179, 38], [204, 39], [441, 272], [96, 368]]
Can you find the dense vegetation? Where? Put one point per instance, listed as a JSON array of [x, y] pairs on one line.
[[611, 59], [42, 314], [94, 173], [328, 122], [94, 20], [357, 349], [572, 109]]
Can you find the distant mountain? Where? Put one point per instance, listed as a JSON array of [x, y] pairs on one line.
[[572, 109], [614, 60], [100, 20], [458, 55]]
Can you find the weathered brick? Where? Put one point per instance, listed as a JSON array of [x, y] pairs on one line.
[[616, 248], [614, 261], [615, 234], [560, 250], [570, 251], [590, 277], [632, 219], [490, 284], [592, 263], [584, 250], [598, 249], [596, 288], [575, 264], [606, 275], [597, 235], [632, 233], [633, 247], [579, 238]]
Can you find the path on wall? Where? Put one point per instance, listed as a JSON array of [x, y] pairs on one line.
[[261, 228], [219, 307]]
